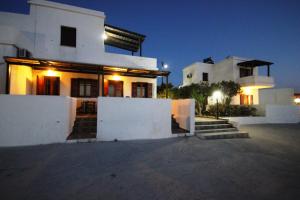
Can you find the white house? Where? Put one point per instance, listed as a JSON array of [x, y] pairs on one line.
[[55, 70], [240, 70], [59, 49]]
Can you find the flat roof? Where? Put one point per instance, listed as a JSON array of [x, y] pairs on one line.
[[76, 67], [67, 7], [254, 63]]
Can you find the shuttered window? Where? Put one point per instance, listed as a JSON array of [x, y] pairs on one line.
[[84, 87], [141, 90], [47, 85]]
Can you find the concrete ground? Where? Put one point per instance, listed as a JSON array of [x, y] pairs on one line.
[[266, 166]]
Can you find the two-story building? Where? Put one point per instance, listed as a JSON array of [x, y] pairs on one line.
[[240, 70], [59, 49]]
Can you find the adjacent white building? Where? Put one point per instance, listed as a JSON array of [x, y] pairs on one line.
[[240, 70]]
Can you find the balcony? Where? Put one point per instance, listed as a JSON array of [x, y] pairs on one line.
[[259, 81]]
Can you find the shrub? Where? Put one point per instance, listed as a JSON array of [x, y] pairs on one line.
[[231, 110]]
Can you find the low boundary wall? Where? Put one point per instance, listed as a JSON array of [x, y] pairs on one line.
[[33, 120], [133, 118], [275, 114]]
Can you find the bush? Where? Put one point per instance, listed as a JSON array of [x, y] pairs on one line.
[[231, 110]]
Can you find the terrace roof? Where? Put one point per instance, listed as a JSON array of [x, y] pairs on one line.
[[75, 67], [254, 63], [122, 38]]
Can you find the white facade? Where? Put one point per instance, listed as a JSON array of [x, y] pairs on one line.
[[228, 70], [40, 32]]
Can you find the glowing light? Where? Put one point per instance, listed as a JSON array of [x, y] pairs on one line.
[[104, 36], [217, 95], [51, 72], [116, 77], [297, 100], [165, 66], [247, 90]]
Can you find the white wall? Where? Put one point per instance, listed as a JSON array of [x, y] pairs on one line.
[[196, 70], [133, 118], [33, 120], [283, 114], [184, 113], [275, 114]]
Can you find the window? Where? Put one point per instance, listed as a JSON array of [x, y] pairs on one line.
[[68, 36], [246, 99], [84, 87], [246, 72], [115, 88], [48, 85], [142, 90], [205, 76]]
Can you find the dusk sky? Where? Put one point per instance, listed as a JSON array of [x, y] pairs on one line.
[[182, 32]]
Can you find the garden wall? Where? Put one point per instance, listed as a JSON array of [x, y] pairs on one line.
[[33, 120], [275, 114], [133, 118]]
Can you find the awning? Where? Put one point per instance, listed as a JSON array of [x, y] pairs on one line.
[[124, 39], [254, 63], [75, 67]]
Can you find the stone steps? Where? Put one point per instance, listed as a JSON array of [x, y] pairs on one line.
[[223, 135], [212, 126], [84, 127], [217, 129]]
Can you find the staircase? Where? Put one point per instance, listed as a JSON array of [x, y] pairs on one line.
[[84, 127], [217, 129], [176, 128]]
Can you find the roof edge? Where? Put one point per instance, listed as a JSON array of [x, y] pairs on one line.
[[67, 7]]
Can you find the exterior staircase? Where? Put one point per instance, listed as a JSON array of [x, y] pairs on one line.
[[217, 129], [176, 128], [84, 127]]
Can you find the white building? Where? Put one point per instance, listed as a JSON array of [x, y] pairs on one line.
[[59, 49], [240, 70]]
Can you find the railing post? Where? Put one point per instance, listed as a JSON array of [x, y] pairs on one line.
[[268, 70]]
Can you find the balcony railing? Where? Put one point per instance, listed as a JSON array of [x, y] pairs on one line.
[[256, 81]]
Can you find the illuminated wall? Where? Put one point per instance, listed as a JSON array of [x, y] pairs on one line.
[[65, 81], [20, 80]]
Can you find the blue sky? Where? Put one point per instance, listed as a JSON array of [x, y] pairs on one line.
[[182, 32]]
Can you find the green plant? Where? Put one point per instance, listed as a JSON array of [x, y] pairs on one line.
[[231, 110]]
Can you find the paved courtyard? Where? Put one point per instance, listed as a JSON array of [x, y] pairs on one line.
[[266, 166]]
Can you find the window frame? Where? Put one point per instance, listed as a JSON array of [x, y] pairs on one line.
[[91, 82], [203, 75], [65, 42]]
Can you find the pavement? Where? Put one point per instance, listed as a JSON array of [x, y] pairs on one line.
[[265, 166]]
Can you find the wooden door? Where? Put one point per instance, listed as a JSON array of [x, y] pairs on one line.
[[48, 85]]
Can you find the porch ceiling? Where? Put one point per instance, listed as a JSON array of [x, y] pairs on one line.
[[254, 63], [75, 67]]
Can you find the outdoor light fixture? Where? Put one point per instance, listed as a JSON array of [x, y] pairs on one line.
[[116, 77], [217, 95], [297, 100], [51, 72], [104, 36]]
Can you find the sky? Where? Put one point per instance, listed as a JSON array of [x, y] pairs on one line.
[[182, 32]]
